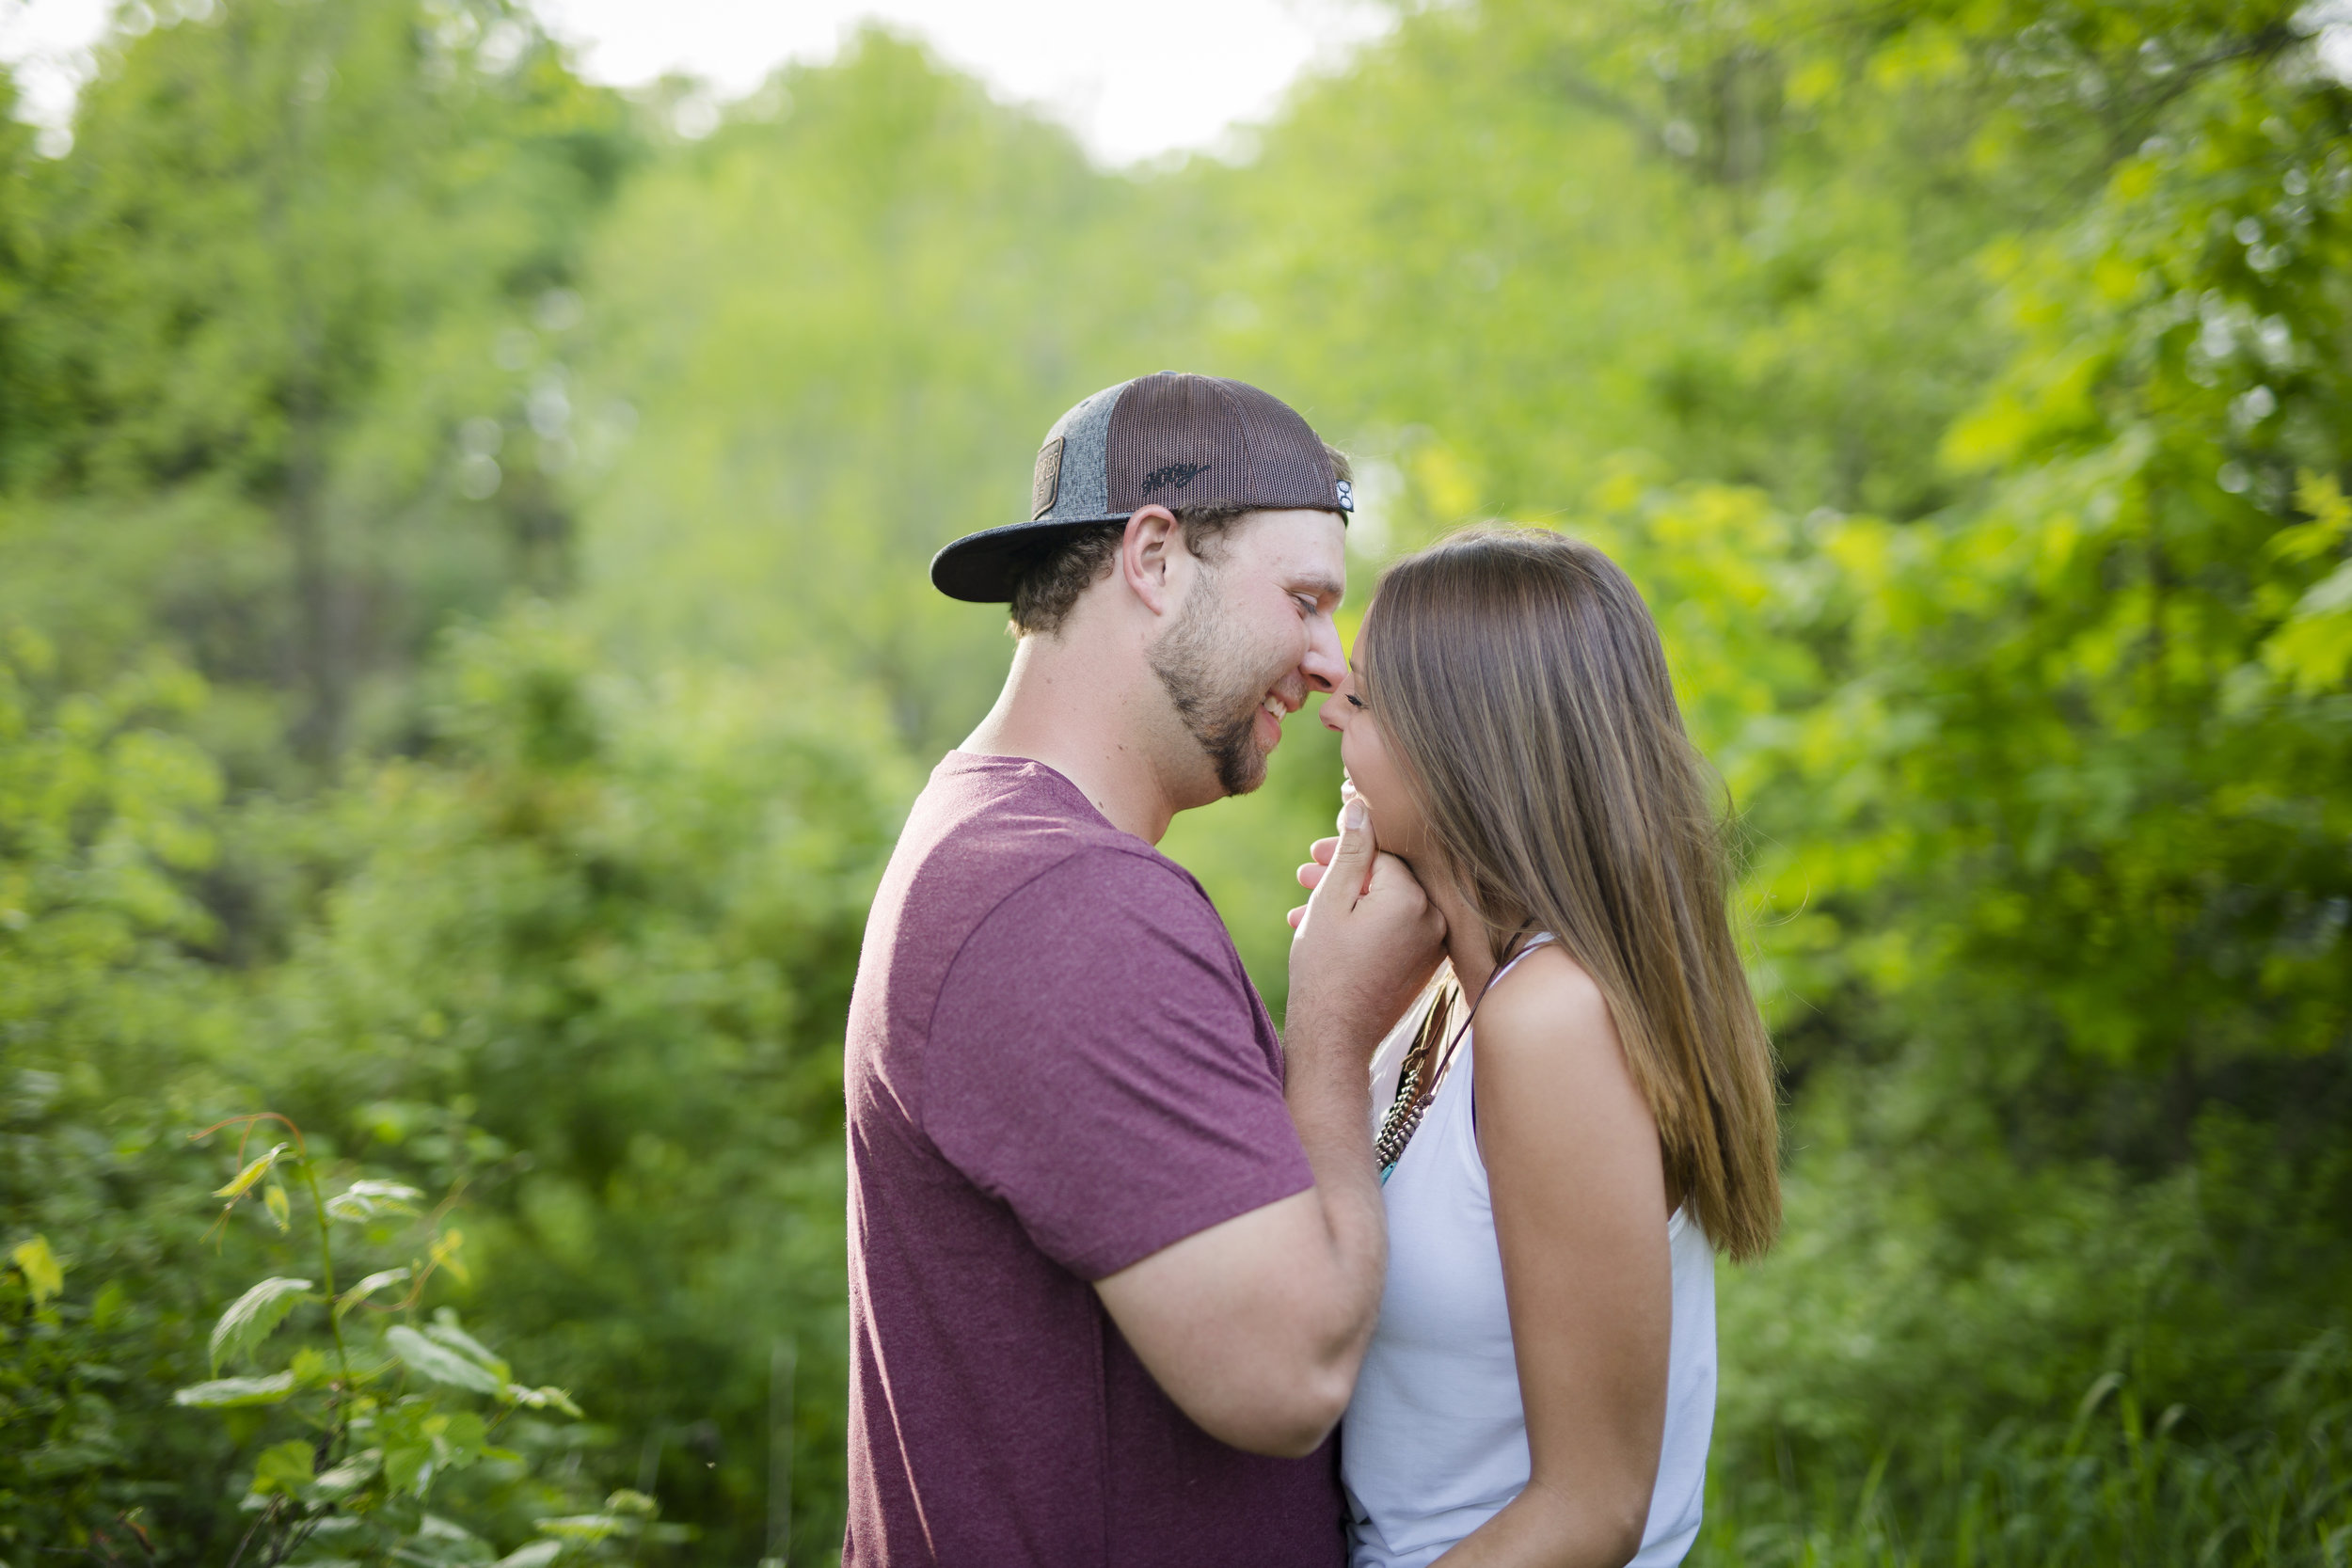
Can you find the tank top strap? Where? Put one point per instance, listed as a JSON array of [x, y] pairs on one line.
[[1541, 938]]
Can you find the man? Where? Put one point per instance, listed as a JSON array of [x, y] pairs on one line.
[[1112, 1264]]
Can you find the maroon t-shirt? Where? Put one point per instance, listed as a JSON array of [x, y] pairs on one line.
[[1057, 1066]]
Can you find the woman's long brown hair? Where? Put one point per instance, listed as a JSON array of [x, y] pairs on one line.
[[1520, 680]]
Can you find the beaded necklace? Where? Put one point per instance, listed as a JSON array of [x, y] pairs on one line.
[[1417, 1080]]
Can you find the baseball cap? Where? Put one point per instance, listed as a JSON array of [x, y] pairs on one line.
[[1171, 438]]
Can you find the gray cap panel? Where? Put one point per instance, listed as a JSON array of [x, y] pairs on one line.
[[1084, 432]]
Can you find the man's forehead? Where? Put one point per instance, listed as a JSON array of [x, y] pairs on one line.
[[1308, 547]]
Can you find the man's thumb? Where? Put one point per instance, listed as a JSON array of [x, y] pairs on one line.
[[1351, 862]]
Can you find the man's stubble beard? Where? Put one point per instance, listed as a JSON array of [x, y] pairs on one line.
[[1218, 712]]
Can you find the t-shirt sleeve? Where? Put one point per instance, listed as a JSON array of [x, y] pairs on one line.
[[1095, 1064]]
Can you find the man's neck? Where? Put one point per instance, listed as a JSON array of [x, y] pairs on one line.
[[1064, 706]]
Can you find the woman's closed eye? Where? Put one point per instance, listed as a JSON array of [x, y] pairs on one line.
[[1354, 701]]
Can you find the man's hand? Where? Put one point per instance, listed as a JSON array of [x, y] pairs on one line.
[[1368, 940], [1256, 1327]]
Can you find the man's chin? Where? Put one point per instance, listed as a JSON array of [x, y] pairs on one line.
[[1240, 764]]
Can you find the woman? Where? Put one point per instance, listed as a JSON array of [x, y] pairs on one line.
[[1541, 1385]]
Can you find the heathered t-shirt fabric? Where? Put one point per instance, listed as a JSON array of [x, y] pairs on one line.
[[1056, 1068]]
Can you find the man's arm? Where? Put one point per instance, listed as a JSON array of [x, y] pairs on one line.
[[1256, 1327]]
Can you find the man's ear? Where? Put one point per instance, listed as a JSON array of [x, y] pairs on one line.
[[1153, 542]]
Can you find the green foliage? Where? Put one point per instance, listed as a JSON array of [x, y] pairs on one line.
[[379, 1429], [464, 651], [303, 276], [591, 963]]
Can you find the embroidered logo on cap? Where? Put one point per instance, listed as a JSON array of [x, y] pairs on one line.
[[1177, 474], [1347, 497]]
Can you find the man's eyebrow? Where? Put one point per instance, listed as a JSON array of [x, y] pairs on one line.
[[1322, 586]]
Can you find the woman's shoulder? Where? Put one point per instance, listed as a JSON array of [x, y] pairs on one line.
[[1548, 1011], [1557, 1097]]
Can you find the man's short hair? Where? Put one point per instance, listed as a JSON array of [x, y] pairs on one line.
[[1049, 583]]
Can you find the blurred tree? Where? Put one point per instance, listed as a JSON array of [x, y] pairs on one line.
[[283, 303], [845, 322]]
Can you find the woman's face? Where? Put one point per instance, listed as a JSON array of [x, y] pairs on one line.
[[1374, 772]]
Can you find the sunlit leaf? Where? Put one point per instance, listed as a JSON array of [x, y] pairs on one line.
[[584, 1529], [243, 1181], [229, 1392], [43, 1274], [368, 1287], [439, 1363], [370, 1200], [350, 1475], [542, 1399], [444, 1331], [274, 1199], [284, 1467], [252, 1316], [444, 1253], [408, 1467]]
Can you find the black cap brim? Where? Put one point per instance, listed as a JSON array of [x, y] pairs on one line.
[[980, 568]]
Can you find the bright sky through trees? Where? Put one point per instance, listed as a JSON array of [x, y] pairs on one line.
[[1131, 79]]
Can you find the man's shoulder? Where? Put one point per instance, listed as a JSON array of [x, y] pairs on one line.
[[1013, 832]]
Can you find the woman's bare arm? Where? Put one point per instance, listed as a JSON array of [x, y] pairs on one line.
[[1579, 1204]]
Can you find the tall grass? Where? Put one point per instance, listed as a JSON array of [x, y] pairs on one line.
[[2109, 1486]]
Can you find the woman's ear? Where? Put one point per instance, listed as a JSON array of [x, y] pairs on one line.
[[1153, 539]]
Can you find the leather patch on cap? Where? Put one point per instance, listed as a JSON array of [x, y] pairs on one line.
[[1047, 485]]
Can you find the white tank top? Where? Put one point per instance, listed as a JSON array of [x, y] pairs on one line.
[[1434, 1441]]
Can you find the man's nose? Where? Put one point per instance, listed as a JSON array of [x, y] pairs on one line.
[[1325, 666]]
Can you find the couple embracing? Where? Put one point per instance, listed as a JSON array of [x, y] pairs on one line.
[[1123, 1262]]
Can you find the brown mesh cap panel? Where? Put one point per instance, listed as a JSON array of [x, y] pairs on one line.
[[1178, 440]]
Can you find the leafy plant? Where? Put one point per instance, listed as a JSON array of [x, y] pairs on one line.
[[391, 1404]]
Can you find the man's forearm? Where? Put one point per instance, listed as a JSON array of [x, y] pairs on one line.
[[1332, 1108]]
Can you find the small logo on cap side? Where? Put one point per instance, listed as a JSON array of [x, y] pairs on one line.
[[1347, 497], [1176, 474], [1045, 485]]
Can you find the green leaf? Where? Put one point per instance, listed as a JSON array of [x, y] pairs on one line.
[[440, 1364], [408, 1467], [584, 1529], [284, 1467], [368, 1200], [537, 1555], [350, 1475], [442, 1540], [252, 1316], [444, 1331], [542, 1399], [243, 1181], [43, 1274], [368, 1287], [274, 1199], [230, 1392]]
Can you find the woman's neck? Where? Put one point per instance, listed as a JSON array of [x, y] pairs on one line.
[[1465, 934]]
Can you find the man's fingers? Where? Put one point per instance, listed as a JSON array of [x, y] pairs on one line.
[[1309, 876], [1321, 849], [1390, 872], [1356, 848], [1295, 916]]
